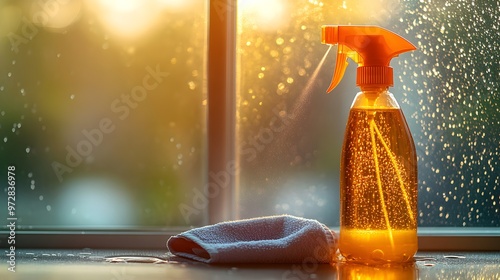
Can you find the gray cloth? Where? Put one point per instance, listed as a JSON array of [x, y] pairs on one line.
[[274, 239]]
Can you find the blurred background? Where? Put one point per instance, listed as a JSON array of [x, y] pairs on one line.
[[103, 109]]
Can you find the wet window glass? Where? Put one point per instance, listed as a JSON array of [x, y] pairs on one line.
[[290, 132], [102, 111], [103, 103]]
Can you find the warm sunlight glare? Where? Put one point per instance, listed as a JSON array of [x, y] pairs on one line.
[[55, 15], [175, 4], [267, 14], [127, 18]]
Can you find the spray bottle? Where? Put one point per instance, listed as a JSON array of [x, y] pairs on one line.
[[378, 184]]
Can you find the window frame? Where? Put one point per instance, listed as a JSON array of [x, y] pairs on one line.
[[221, 75], [429, 239], [221, 86]]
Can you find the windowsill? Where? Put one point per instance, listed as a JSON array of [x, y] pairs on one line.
[[430, 239], [92, 264]]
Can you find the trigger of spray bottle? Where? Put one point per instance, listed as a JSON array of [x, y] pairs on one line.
[[378, 185], [371, 47]]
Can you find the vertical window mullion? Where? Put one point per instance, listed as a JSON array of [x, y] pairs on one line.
[[221, 110]]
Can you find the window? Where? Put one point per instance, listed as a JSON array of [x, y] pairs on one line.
[[103, 111], [104, 118]]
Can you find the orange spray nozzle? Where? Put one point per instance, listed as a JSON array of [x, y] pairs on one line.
[[371, 47]]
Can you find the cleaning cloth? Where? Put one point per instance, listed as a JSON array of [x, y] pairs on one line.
[[274, 239]]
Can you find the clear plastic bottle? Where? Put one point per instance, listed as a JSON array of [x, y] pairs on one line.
[[379, 182]]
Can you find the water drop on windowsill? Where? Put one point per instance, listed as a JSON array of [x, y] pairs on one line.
[[454, 257], [135, 259]]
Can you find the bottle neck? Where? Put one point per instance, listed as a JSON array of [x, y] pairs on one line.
[[375, 98], [374, 89]]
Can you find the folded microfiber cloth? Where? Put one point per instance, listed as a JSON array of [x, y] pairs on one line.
[[274, 239]]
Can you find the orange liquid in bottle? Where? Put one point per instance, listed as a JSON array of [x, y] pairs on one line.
[[378, 188]]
